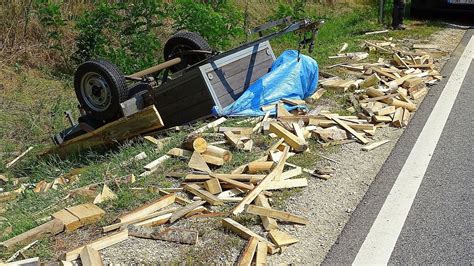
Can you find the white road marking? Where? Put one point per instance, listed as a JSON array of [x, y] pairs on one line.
[[382, 237]]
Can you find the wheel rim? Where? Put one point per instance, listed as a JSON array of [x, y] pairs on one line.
[[95, 92]]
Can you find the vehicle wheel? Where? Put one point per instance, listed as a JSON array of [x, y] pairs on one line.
[[138, 89], [183, 41], [100, 88]]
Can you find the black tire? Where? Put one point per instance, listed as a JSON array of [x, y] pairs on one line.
[[138, 89], [183, 41], [100, 88]]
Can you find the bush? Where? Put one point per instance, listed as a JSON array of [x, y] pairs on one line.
[[217, 21], [122, 33]]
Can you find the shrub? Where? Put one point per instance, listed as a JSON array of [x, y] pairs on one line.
[[217, 21], [122, 33]]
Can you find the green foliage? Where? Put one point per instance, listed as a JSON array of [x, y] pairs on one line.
[[50, 16], [295, 11], [122, 33], [218, 22]]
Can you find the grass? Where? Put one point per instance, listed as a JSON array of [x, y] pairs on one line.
[[33, 102]]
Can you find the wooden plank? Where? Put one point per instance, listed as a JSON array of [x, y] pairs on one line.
[[261, 254], [398, 117], [116, 226], [386, 111], [406, 117], [361, 126], [203, 194], [198, 163], [213, 186], [213, 160], [10, 164], [297, 144], [70, 222], [237, 130], [52, 227], [235, 183], [156, 163], [268, 223], [26, 262], [291, 173], [158, 220], [98, 244], [148, 208], [87, 213], [185, 210], [374, 145], [180, 153], [246, 233], [382, 119], [279, 215], [293, 101], [90, 256], [318, 94], [234, 139], [210, 125], [124, 128], [262, 185], [281, 238], [252, 178], [359, 136], [289, 183], [247, 255]]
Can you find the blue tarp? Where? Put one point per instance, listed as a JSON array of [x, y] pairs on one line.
[[288, 78]]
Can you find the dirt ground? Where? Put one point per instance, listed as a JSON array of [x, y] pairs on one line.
[[328, 204]]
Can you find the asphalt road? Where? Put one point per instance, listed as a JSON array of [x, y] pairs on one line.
[[419, 209]]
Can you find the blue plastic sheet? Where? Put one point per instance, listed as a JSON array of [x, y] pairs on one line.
[[288, 78]]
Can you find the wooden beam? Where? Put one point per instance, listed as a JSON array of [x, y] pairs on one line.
[[281, 238], [185, 210], [203, 194], [158, 220], [359, 136], [148, 208], [268, 223], [374, 145], [210, 125], [115, 226], [252, 178], [70, 221], [235, 183], [213, 186], [261, 254], [90, 257], [247, 255], [52, 227], [246, 233], [98, 244], [279, 215], [262, 185], [297, 144], [288, 183], [122, 129], [152, 166]]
